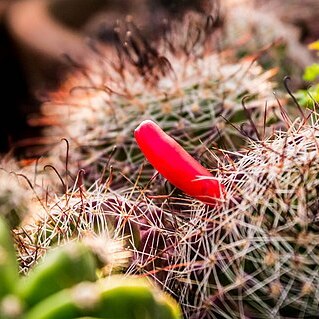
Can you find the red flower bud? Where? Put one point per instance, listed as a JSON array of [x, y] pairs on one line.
[[176, 165]]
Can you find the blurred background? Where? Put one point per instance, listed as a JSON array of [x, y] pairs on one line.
[[39, 38]]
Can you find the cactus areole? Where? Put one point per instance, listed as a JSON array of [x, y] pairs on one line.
[[176, 165]]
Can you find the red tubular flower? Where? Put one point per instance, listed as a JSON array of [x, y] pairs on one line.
[[176, 165]]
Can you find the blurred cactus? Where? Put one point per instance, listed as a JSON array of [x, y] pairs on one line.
[[64, 284], [62, 268], [15, 194], [23, 185], [115, 297], [258, 28], [182, 84]]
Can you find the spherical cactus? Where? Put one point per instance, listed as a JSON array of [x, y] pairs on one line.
[[255, 255], [182, 84], [94, 216]]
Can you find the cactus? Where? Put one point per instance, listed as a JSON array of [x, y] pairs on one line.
[[24, 184], [97, 215], [62, 268], [114, 297], [188, 89], [254, 255], [64, 284]]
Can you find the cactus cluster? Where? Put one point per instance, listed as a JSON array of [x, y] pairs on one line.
[[253, 255], [241, 244], [261, 255], [65, 284], [256, 255]]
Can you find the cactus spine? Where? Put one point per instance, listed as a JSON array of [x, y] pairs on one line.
[[187, 91], [256, 255]]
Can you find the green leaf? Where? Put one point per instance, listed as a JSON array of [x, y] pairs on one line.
[[9, 270], [311, 72], [306, 98]]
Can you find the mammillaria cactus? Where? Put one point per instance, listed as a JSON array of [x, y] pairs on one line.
[[65, 284], [254, 255], [182, 84]]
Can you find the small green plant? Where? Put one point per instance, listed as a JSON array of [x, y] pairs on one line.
[[256, 254], [310, 96], [65, 284]]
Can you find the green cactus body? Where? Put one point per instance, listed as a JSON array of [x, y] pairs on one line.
[[116, 297], [62, 268], [135, 298], [64, 285], [59, 305], [8, 262]]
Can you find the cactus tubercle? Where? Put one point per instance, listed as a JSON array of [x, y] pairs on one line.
[[176, 165]]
